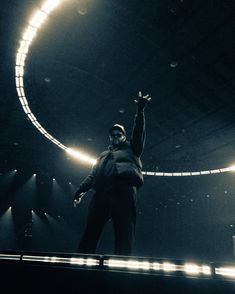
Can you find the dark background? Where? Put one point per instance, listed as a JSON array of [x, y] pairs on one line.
[[82, 73]]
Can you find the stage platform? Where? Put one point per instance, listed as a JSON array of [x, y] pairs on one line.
[[28, 272]]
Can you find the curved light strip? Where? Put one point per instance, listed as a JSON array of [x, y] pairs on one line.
[[37, 20]]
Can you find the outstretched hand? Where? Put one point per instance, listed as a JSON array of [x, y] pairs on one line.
[[142, 100], [78, 198]]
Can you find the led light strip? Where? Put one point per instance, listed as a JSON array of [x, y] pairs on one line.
[[10, 256], [168, 267], [29, 35], [225, 271], [62, 260]]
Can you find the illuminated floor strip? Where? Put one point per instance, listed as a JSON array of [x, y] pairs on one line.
[[159, 267], [167, 267], [10, 256], [62, 260], [225, 272]]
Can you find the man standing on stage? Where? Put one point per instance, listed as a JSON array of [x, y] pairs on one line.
[[115, 178]]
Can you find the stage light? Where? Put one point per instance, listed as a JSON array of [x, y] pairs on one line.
[[78, 261], [20, 59], [19, 71], [168, 267], [225, 271], [206, 270], [53, 179], [81, 156], [24, 47], [91, 262], [29, 34], [26, 109], [130, 264], [232, 168], [156, 266], [138, 265], [15, 170], [10, 256], [50, 5], [115, 263], [38, 19], [34, 175], [191, 268], [23, 101]]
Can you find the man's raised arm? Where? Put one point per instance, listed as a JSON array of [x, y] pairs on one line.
[[138, 133]]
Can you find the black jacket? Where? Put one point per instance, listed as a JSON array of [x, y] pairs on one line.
[[119, 166]]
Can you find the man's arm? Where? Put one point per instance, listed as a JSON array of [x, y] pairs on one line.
[[86, 184], [138, 133]]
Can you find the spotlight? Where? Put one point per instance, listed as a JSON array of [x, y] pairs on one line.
[[34, 175], [15, 170], [53, 179]]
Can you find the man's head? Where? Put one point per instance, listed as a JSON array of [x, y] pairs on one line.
[[117, 135]]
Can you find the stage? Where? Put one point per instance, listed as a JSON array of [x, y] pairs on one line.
[[30, 272]]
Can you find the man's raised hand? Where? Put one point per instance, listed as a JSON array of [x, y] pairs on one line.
[[142, 100]]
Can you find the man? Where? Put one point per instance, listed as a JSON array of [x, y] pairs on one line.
[[115, 177]]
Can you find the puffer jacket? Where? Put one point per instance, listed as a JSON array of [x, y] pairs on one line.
[[121, 165]]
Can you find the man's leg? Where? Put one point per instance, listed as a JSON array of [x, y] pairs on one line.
[[98, 214], [123, 214]]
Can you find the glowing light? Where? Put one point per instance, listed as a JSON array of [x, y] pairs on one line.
[[92, 261], [232, 168], [10, 256], [29, 34], [156, 266], [206, 270], [15, 170], [225, 271], [50, 5], [81, 156], [191, 269], [38, 19], [115, 263], [78, 261], [130, 264], [168, 267]]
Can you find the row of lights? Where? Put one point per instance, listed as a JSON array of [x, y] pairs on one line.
[[34, 175], [191, 269], [186, 174], [35, 23]]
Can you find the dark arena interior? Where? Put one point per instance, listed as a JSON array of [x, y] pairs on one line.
[[70, 69]]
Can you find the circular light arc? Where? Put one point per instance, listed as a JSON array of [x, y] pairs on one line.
[[34, 24]]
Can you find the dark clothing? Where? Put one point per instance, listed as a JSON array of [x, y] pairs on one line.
[[119, 205], [115, 178]]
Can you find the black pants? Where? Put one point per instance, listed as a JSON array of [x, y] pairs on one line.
[[118, 204]]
